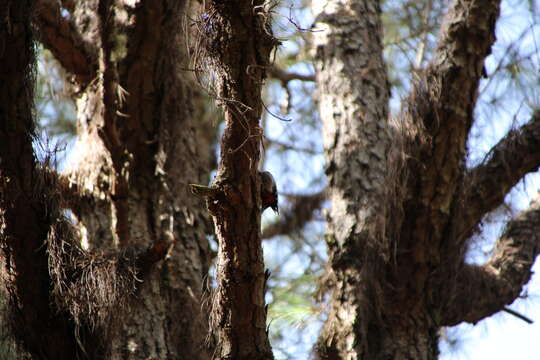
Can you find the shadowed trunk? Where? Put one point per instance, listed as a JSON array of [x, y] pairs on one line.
[[238, 41], [136, 152], [44, 331]]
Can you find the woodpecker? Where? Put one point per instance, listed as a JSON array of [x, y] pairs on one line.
[[269, 194]]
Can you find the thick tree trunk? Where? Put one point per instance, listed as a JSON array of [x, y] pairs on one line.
[[28, 208], [398, 224], [138, 150], [403, 203], [136, 153], [354, 111]]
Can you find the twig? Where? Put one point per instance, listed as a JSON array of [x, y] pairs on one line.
[[518, 315]]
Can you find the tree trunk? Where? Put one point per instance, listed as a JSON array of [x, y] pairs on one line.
[[238, 41], [136, 153], [353, 103], [401, 215], [124, 277], [44, 331], [137, 130]]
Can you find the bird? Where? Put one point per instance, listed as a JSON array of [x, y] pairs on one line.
[[269, 194]]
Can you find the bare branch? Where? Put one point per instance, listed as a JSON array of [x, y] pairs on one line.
[[518, 315], [484, 290], [72, 196], [58, 34], [487, 184], [295, 218], [286, 147], [286, 77]]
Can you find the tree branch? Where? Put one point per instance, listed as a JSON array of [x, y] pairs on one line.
[[481, 291], [72, 196], [518, 315], [58, 34], [286, 77], [488, 183], [438, 116], [285, 147], [467, 34], [295, 218], [109, 132]]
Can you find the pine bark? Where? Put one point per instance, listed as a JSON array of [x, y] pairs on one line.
[[354, 110], [136, 153], [238, 40], [138, 129], [25, 216], [403, 204]]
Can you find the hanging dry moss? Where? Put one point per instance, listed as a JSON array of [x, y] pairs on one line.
[[91, 289]]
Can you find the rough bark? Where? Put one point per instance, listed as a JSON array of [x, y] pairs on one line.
[[439, 113], [401, 218], [238, 42], [353, 105], [506, 164], [137, 150], [485, 290], [27, 209]]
